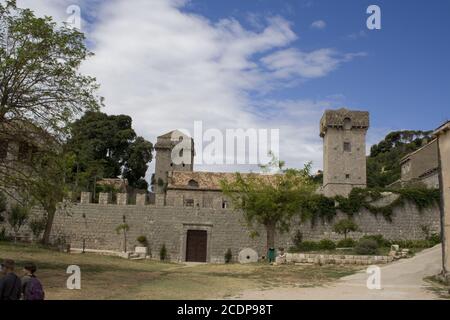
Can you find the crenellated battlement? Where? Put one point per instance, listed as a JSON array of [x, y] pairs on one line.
[[121, 199], [159, 200]]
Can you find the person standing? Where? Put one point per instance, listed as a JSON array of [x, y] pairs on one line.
[[31, 286], [10, 283]]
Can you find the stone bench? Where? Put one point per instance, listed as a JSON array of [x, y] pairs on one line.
[[336, 259]]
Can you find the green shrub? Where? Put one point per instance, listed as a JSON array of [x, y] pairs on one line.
[[142, 240], [326, 244], [163, 253], [298, 238], [421, 244], [228, 256], [37, 226], [366, 246], [345, 226], [308, 246], [346, 243], [3, 235], [380, 240], [434, 238], [122, 228], [17, 217]]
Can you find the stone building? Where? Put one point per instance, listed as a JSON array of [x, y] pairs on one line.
[[421, 166], [344, 150], [191, 217], [174, 152], [443, 147]]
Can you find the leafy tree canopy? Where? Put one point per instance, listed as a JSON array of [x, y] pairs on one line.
[[345, 226], [270, 200], [383, 164], [106, 146], [41, 92], [40, 81]]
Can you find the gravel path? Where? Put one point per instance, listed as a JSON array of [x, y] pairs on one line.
[[399, 280]]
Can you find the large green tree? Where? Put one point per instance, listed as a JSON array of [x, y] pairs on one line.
[[270, 200], [41, 92], [48, 186], [106, 146], [40, 80]]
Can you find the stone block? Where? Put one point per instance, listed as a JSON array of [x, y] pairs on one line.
[[141, 250], [125, 255], [122, 199], [290, 258], [141, 199], [104, 198], [160, 199], [86, 197]]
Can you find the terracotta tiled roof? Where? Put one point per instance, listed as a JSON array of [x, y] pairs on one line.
[[169, 139], [172, 133], [336, 118], [205, 180], [119, 184]]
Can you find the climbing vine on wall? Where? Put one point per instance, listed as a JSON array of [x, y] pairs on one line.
[[324, 208]]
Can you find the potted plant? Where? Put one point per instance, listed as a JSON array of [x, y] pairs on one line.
[[142, 249]]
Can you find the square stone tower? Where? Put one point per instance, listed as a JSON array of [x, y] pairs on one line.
[[174, 152], [344, 150]]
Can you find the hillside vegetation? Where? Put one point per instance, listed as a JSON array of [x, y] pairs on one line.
[[383, 163]]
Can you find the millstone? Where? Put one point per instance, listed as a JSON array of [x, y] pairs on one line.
[[248, 255]]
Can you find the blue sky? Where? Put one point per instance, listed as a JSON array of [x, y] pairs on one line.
[[267, 64], [404, 81]]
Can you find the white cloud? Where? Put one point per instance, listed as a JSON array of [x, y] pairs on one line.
[[315, 64], [357, 35], [319, 24], [53, 8], [168, 68]]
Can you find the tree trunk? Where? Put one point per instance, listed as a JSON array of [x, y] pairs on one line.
[[48, 227], [270, 230], [124, 240]]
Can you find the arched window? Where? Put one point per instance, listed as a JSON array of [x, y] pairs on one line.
[[193, 183], [224, 204], [347, 123]]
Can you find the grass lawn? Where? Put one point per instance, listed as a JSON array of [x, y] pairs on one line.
[[434, 285], [382, 251], [104, 277]]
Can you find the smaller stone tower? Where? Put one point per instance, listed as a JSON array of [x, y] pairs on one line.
[[344, 150], [174, 152]]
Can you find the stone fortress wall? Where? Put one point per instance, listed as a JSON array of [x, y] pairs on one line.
[[94, 224], [186, 201]]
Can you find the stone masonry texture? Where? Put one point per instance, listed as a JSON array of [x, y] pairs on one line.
[[95, 224]]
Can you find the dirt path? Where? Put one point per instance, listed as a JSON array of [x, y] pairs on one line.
[[399, 280]]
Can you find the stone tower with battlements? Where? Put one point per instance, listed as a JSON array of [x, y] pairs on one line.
[[174, 152], [344, 151]]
